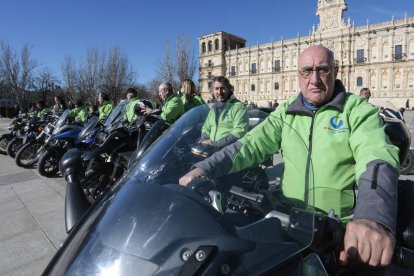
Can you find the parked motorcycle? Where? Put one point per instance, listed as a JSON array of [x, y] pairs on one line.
[[29, 154], [65, 138], [16, 129], [149, 225], [30, 132]]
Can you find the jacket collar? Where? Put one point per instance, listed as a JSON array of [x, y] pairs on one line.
[[337, 101]]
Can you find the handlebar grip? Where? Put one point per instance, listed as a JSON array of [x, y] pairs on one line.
[[404, 257]]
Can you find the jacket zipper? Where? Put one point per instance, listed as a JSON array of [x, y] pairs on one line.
[[306, 195]]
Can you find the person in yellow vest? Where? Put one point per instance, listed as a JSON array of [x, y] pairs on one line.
[[105, 106]]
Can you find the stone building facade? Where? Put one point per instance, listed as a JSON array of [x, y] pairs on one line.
[[378, 56]]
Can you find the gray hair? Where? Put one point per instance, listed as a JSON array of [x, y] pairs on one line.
[[168, 85]]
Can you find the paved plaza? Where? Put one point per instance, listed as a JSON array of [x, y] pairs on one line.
[[32, 223]]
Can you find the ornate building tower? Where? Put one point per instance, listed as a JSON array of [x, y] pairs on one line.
[[330, 15], [212, 59]]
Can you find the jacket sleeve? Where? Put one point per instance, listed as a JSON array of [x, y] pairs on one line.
[[172, 110], [376, 167]]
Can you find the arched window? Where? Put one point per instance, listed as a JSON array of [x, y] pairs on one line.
[[216, 44], [276, 86], [253, 87], [203, 47], [210, 46], [360, 81]]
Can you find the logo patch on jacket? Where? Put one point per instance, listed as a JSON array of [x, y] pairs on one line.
[[336, 125]]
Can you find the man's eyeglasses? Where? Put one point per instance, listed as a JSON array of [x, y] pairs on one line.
[[322, 71]]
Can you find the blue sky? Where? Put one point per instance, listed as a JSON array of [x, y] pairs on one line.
[[55, 28]]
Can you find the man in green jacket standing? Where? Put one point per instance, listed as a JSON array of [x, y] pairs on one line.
[[172, 107], [345, 135], [227, 120], [105, 106], [79, 113], [132, 96]]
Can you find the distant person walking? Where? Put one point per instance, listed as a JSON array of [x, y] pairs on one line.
[[407, 104]]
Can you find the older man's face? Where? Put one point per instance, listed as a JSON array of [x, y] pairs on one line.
[[317, 75], [220, 91], [163, 92]]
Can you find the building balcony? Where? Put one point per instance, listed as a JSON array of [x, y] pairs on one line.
[[277, 69], [399, 57]]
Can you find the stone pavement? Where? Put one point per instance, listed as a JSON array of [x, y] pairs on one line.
[[32, 223]]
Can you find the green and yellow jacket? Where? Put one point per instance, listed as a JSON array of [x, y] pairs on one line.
[[105, 109], [130, 115], [225, 123], [79, 114], [193, 102], [172, 109]]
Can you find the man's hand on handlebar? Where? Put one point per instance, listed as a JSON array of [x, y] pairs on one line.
[[369, 242], [196, 173]]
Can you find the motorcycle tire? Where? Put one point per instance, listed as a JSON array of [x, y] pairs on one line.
[[407, 166], [48, 164], [14, 146], [4, 141], [27, 155]]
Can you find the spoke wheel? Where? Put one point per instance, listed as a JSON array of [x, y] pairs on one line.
[[28, 155]]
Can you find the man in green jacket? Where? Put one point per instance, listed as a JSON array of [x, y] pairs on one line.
[[105, 106], [41, 109], [79, 113], [172, 107], [345, 135], [227, 120], [132, 96]]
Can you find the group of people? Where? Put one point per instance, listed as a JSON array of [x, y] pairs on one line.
[[343, 132], [346, 137]]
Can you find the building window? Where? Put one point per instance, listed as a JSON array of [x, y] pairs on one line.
[[209, 85], [398, 55], [360, 56], [233, 71], [253, 68], [360, 81], [225, 45], [216, 44], [203, 47], [276, 86], [210, 46], [277, 65], [209, 75], [253, 87]]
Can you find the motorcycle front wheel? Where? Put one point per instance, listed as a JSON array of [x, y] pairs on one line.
[[48, 164], [28, 155], [14, 146], [4, 141], [407, 166]]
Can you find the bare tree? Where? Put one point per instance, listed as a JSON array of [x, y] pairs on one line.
[[181, 66], [166, 70], [17, 71], [185, 59], [89, 76], [44, 83], [116, 74], [69, 74]]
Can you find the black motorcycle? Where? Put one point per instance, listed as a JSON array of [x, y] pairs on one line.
[[149, 225], [33, 128], [16, 129]]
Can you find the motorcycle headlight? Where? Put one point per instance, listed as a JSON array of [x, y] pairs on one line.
[[26, 128]]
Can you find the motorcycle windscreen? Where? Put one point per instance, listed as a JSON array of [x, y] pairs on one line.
[[60, 122], [148, 224], [117, 113], [89, 126]]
